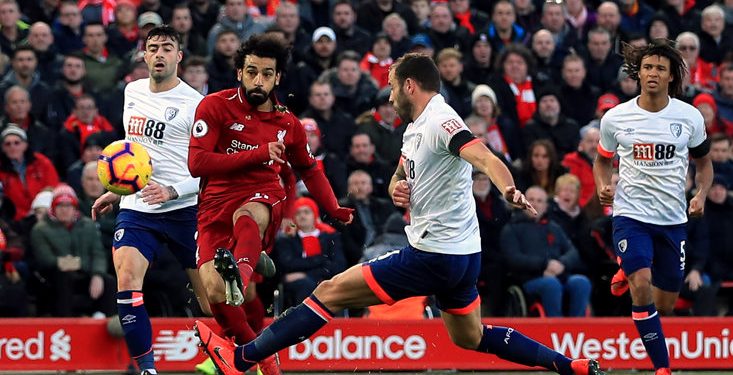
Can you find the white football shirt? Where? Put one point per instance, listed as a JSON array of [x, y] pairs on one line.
[[162, 123], [653, 158], [442, 209]]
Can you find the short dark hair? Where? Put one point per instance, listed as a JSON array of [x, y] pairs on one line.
[[348, 55], [74, 55], [90, 24], [719, 137], [268, 45], [164, 31], [343, 2], [657, 47], [21, 48], [418, 67], [194, 61]]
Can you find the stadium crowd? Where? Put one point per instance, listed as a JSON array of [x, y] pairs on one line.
[[530, 78]]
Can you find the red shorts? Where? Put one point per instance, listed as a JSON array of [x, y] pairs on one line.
[[215, 225]]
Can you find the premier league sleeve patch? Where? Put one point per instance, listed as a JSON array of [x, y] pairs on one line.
[[200, 128]]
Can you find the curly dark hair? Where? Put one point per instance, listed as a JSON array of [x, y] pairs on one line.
[[657, 47], [268, 45]]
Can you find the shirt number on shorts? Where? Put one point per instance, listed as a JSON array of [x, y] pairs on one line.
[[682, 255]]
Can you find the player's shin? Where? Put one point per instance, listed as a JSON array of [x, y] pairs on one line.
[[233, 322], [137, 328], [506, 343], [294, 326], [649, 326], [247, 247]]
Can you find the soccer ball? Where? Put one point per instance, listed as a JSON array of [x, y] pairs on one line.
[[124, 167]]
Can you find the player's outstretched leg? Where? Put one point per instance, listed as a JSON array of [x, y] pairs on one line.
[[136, 326], [294, 326], [506, 343], [232, 273]]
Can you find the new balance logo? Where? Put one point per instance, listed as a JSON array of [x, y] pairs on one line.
[[180, 345], [237, 127]]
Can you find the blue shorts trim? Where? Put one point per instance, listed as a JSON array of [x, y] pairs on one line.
[[659, 247], [410, 272], [148, 232]]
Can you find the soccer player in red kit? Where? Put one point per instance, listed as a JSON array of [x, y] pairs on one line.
[[239, 140]]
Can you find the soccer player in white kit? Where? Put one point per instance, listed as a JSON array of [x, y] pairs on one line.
[[444, 256], [158, 114], [654, 135]]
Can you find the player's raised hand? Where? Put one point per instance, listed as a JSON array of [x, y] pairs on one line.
[[344, 215], [401, 194], [154, 193], [276, 150], [518, 200], [104, 204], [605, 195], [697, 206]]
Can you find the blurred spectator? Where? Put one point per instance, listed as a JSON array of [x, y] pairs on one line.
[[396, 29], [315, 14], [580, 162], [719, 219], [287, 19], [41, 11], [544, 261], [420, 43], [193, 43], [372, 13], [456, 90], [707, 106], [659, 27], [550, 123], [715, 41], [195, 74], [503, 29], [601, 61], [234, 19], [635, 16], [13, 31], [23, 173], [720, 154], [528, 18], [479, 63], [205, 14], [331, 163], [497, 131], [92, 147], [97, 11], [393, 237], [625, 88], [513, 84], [384, 128], [443, 32], [703, 75], [91, 189], [222, 74], [541, 167], [578, 97], [472, 20], [580, 17], [102, 69], [84, 121], [314, 254], [681, 15], [24, 73], [421, 9], [156, 6], [492, 214], [40, 38], [17, 112], [67, 28], [68, 87], [354, 90], [336, 125], [370, 215], [565, 211], [638, 40], [317, 59], [724, 94], [377, 61], [349, 36], [361, 156], [608, 17], [69, 254], [547, 56], [13, 295], [563, 35], [605, 102], [698, 287]]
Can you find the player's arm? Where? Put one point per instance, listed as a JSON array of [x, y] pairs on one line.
[[313, 176], [703, 176], [475, 152], [603, 165], [398, 189], [204, 162]]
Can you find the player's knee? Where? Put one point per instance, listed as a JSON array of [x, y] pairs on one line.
[[128, 281], [469, 342], [327, 292]]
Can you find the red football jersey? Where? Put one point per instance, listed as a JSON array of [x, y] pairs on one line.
[[228, 148]]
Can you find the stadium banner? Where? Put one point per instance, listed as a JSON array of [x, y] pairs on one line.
[[365, 344]]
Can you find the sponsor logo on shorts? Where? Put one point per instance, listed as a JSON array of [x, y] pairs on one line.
[[119, 233], [622, 245]]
